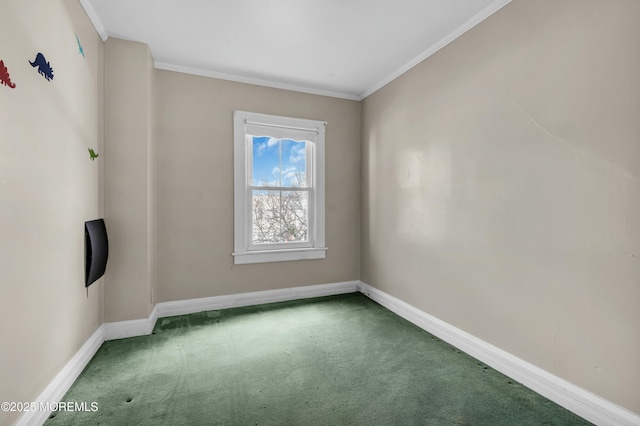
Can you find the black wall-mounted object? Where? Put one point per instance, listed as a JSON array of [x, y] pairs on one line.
[[96, 250]]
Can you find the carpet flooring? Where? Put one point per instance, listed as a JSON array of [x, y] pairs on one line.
[[338, 360]]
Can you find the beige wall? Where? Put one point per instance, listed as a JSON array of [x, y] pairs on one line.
[[48, 188], [195, 187], [501, 188], [129, 179]]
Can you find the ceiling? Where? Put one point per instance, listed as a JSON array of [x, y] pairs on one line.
[[342, 48]]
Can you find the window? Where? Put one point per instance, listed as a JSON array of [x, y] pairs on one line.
[[279, 188]]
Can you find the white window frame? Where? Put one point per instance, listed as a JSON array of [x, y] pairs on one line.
[[248, 123]]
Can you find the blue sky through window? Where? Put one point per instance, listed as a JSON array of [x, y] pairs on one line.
[[279, 162]]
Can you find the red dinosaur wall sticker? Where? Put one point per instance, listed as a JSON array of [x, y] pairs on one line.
[[4, 76]]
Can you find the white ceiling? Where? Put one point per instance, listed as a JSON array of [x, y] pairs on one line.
[[342, 48]]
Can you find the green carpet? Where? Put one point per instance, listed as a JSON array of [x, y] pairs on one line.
[[339, 360]]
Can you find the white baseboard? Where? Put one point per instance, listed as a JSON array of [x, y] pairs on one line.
[[132, 328], [580, 401], [143, 327], [584, 403], [190, 306], [63, 380], [56, 390]]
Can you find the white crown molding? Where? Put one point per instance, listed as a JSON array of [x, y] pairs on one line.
[[472, 22], [95, 20], [256, 81], [59, 386], [580, 401]]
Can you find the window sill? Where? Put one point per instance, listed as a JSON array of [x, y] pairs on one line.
[[265, 256]]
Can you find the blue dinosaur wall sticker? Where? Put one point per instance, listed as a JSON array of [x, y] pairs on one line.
[[44, 67], [80, 49]]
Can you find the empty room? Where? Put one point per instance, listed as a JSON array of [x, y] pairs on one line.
[[295, 212]]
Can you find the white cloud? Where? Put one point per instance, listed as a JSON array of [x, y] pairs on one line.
[[291, 176], [298, 153], [272, 141], [260, 148], [294, 178], [276, 170]]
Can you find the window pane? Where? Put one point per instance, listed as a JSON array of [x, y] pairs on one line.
[[266, 161], [280, 216], [294, 163], [295, 216], [266, 217]]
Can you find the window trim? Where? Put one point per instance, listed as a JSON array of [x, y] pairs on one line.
[[281, 127]]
